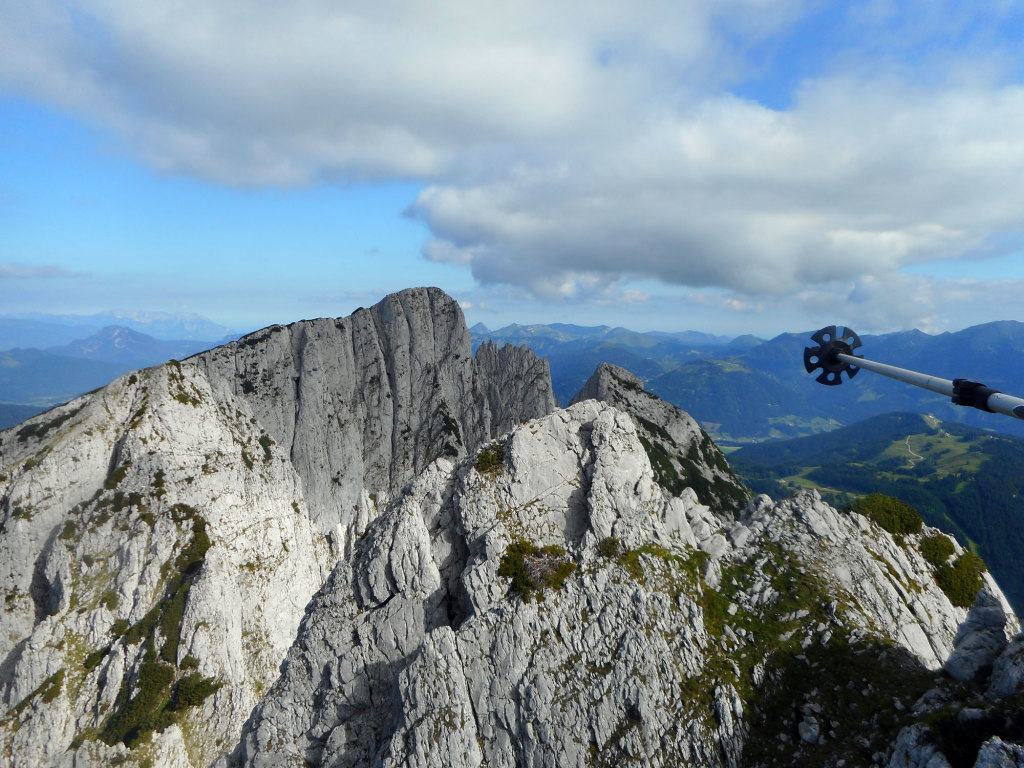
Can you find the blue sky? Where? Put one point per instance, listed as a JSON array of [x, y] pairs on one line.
[[732, 167]]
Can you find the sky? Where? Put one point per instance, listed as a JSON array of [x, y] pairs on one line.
[[728, 166]]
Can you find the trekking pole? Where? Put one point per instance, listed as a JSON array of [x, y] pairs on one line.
[[835, 354]]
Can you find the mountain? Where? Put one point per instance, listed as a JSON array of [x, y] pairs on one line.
[[574, 351], [353, 542], [748, 390], [31, 377], [737, 402], [14, 413], [40, 378], [161, 536], [38, 334], [117, 344], [568, 611], [960, 478], [49, 330], [765, 393]]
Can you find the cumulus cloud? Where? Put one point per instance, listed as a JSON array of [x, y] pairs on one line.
[[856, 179], [569, 148], [281, 93]]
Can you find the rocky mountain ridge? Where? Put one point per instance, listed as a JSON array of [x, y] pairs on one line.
[[350, 543], [161, 537], [557, 607], [364, 403]]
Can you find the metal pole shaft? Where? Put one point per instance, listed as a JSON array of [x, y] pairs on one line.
[[997, 402], [934, 383]]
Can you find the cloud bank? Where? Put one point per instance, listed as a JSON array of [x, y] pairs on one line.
[[570, 148]]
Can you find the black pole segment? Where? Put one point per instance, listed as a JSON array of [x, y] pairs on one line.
[[973, 394], [831, 344]]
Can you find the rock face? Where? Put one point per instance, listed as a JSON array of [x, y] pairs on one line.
[[549, 603], [160, 538], [363, 404], [156, 558], [350, 543], [681, 452]]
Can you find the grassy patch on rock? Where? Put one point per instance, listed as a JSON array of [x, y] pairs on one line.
[[490, 460], [151, 699], [531, 569], [961, 580], [895, 516]]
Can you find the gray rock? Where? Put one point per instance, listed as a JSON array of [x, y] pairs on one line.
[[979, 640], [683, 455], [809, 730], [364, 403], [1008, 670], [304, 519], [995, 753], [272, 442], [915, 748], [596, 670]]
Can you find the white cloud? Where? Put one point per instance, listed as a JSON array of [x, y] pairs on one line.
[[570, 148], [856, 179], [280, 93]]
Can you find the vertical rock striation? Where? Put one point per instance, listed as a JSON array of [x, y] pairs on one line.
[[363, 404], [549, 603], [160, 538], [509, 584]]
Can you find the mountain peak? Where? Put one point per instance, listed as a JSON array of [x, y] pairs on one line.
[[349, 541]]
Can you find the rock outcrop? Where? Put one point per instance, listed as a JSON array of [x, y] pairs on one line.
[[351, 543], [549, 603], [364, 403], [161, 537], [682, 454], [156, 560]]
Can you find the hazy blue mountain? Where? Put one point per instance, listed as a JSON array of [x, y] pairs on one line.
[[965, 480], [47, 330], [35, 377], [25, 333], [735, 402], [522, 334], [118, 344], [775, 389], [574, 351]]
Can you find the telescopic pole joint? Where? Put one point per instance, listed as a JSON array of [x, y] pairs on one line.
[[973, 394]]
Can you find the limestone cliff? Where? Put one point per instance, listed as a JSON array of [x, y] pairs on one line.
[[156, 558], [681, 452], [351, 543], [161, 537], [363, 404]]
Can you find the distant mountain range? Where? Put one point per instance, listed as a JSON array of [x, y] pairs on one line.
[[574, 351], [42, 331], [765, 392], [743, 390], [746, 390], [32, 380], [961, 479]]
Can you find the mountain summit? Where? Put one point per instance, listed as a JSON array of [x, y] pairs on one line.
[[351, 543]]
